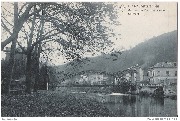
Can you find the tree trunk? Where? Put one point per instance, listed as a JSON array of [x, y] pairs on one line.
[[37, 55], [37, 73], [11, 65], [28, 73], [10, 69], [29, 59], [12, 52]]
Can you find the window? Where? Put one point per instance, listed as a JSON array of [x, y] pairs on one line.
[[175, 73], [158, 73], [167, 73]]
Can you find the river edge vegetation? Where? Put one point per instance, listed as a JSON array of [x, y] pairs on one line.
[[51, 104]]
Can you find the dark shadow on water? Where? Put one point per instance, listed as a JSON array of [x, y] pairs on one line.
[[140, 106], [159, 101], [129, 100]]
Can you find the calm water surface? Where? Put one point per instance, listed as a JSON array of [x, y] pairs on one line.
[[136, 106]]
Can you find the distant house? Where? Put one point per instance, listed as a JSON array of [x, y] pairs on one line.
[[95, 78], [18, 54], [98, 78], [137, 74], [133, 74], [89, 78], [163, 73]]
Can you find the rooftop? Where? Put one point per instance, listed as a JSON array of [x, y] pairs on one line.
[[165, 65]]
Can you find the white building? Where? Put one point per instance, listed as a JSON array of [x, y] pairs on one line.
[[163, 73], [133, 74], [89, 78]]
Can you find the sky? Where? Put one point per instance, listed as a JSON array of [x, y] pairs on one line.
[[151, 21], [140, 22]]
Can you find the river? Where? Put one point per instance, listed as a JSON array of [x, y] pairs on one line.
[[134, 105], [137, 106]]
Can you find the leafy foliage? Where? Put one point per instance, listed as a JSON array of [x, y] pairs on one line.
[[82, 27], [51, 105], [124, 87]]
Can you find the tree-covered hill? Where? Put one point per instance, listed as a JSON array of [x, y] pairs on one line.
[[157, 49]]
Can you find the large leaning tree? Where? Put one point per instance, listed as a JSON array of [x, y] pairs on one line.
[[69, 29]]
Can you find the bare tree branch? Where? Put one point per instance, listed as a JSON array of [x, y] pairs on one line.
[[22, 48], [5, 27], [44, 38], [46, 42], [16, 52], [54, 21], [27, 37], [7, 10], [49, 32], [36, 11], [22, 7], [7, 21], [21, 20]]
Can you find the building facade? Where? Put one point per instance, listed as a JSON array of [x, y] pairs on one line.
[[163, 73], [89, 78], [18, 56], [137, 74], [133, 74]]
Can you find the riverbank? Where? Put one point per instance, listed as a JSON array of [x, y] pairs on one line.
[[157, 95], [127, 105], [109, 90], [51, 104]]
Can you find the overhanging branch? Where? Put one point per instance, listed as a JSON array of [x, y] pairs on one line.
[[22, 7], [44, 38], [5, 27], [7, 21]]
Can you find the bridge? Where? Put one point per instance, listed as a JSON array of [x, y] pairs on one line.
[[109, 85]]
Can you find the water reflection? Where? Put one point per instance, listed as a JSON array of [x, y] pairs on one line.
[[136, 106], [129, 100]]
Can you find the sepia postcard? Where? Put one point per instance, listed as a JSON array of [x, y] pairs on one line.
[[89, 59]]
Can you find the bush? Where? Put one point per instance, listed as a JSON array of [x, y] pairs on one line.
[[124, 87], [158, 92]]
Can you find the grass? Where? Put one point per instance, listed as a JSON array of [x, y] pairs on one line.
[[51, 105]]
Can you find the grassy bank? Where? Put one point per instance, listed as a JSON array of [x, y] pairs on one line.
[[51, 105]]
